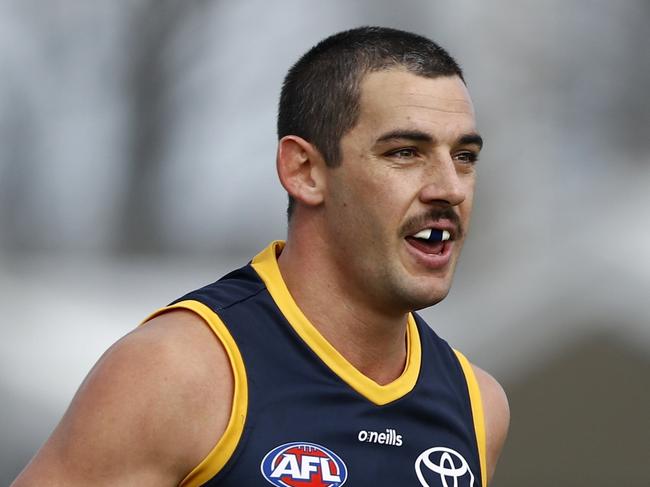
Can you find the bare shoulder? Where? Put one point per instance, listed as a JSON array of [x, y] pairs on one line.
[[150, 410], [497, 415]]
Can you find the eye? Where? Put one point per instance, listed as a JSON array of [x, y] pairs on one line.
[[466, 157], [404, 153]]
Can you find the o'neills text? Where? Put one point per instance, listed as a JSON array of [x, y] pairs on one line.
[[389, 437]]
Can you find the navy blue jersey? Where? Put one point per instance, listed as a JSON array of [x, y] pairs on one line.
[[304, 416]]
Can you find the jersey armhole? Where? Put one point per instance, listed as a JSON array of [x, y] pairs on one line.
[[212, 464], [477, 412]]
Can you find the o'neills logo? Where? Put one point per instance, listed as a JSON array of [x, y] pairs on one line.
[[389, 437]]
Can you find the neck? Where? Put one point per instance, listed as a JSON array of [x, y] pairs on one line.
[[373, 341]]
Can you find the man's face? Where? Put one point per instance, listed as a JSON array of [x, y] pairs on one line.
[[407, 166]]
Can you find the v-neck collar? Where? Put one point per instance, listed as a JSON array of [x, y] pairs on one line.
[[266, 266]]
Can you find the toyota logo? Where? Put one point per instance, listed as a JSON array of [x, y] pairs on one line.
[[450, 467]]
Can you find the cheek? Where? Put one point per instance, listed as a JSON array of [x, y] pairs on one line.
[[366, 212], [384, 200], [351, 209], [371, 196], [467, 205], [362, 190]]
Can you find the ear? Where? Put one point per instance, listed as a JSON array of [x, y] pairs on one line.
[[301, 169]]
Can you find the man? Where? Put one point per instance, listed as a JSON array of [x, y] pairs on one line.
[[307, 366]]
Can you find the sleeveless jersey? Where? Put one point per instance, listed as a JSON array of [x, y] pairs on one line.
[[304, 416]]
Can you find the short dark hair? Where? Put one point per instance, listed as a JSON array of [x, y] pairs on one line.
[[320, 94]]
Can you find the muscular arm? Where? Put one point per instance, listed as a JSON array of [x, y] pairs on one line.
[[497, 416], [149, 411]]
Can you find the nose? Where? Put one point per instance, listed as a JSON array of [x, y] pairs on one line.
[[444, 184]]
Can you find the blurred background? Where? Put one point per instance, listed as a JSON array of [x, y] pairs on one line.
[[137, 152]]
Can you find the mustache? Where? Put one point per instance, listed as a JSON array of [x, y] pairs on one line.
[[416, 223]]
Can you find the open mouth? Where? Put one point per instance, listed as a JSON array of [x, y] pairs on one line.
[[431, 241]]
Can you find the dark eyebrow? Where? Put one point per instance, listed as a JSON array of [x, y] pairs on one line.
[[406, 134], [469, 139]]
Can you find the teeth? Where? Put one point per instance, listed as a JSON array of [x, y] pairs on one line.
[[433, 235]]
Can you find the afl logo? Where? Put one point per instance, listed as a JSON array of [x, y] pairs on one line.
[[443, 467], [301, 464]]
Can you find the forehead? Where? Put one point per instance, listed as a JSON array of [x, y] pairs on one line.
[[399, 98]]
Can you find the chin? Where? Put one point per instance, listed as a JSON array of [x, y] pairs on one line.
[[429, 302], [426, 297]]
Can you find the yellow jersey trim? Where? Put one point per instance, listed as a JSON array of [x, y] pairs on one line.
[[477, 412], [266, 266], [212, 464]]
